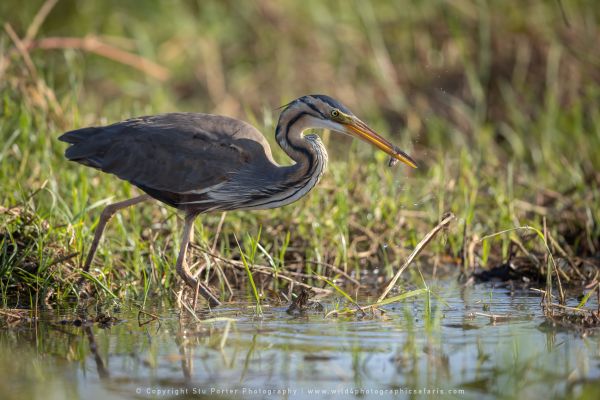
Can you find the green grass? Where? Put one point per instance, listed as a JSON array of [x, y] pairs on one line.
[[498, 102]]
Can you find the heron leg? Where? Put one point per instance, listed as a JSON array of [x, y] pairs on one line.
[[107, 213], [182, 267]]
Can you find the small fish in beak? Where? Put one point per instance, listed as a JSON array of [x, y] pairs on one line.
[[393, 161]]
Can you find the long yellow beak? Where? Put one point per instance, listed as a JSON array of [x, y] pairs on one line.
[[363, 132]]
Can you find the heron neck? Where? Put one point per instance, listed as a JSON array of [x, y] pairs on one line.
[[308, 152]]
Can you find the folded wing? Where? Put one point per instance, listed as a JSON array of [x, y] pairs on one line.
[[171, 155]]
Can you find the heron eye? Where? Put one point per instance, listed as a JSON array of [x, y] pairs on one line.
[[335, 113]]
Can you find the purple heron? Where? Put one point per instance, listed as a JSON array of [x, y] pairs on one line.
[[201, 163]]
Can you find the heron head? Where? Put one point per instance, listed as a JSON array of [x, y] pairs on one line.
[[328, 113]]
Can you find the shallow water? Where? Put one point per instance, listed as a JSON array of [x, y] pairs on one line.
[[451, 354]]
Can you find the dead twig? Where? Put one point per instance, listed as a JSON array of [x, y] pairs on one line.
[[565, 255], [372, 237], [556, 305], [22, 49], [556, 270], [16, 316], [92, 44], [495, 317], [449, 217], [62, 259], [152, 318], [334, 269], [265, 270]]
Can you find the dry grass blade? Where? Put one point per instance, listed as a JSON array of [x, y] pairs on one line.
[[15, 316], [39, 19], [266, 270], [449, 217], [550, 256], [21, 48], [218, 232]]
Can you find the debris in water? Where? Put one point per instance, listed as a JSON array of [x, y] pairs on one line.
[[101, 320], [301, 303], [583, 320]]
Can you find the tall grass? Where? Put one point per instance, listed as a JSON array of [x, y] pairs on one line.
[[497, 101]]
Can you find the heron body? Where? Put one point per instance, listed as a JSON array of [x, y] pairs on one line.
[[202, 163]]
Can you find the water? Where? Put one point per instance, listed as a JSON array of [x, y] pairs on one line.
[[457, 354]]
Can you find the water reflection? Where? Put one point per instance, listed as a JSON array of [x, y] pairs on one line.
[[231, 352]]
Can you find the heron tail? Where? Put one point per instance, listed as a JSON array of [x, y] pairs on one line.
[[85, 147]]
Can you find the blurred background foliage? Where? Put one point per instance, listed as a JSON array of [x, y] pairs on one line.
[[497, 100], [438, 73]]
